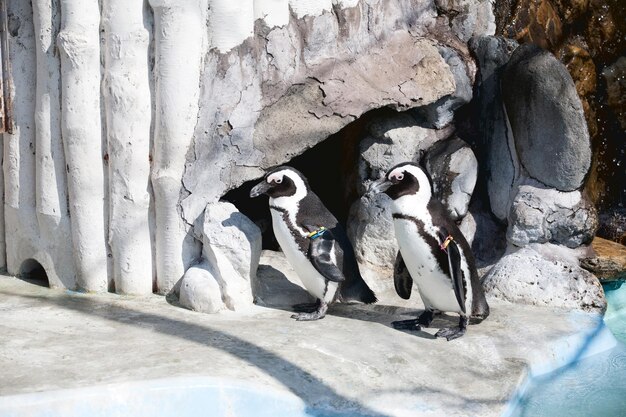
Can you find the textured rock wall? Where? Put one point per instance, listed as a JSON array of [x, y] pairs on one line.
[[535, 154], [115, 170], [112, 163]]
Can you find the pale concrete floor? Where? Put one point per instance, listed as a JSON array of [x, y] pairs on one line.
[[351, 361]]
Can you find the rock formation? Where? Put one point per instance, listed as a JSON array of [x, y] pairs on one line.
[[114, 175]]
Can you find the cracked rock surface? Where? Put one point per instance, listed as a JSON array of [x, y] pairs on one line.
[[539, 275], [288, 88], [540, 214]]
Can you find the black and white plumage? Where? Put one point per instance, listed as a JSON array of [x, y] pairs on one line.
[[313, 242], [433, 253]]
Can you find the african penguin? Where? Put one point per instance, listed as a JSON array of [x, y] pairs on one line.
[[313, 242], [433, 252]]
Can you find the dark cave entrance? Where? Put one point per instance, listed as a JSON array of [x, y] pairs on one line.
[[33, 272], [331, 168]]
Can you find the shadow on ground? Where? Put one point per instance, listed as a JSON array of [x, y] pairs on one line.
[[290, 375]]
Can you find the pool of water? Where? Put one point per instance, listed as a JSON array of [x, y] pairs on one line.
[[592, 382], [170, 397]]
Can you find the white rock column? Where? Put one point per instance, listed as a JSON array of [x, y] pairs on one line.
[[53, 251], [79, 45], [230, 23], [179, 27], [5, 66], [128, 116], [50, 161], [19, 147]]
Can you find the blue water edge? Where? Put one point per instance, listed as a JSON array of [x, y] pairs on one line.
[[591, 385], [170, 397]]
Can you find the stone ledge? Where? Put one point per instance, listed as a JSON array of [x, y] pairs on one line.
[[350, 361]]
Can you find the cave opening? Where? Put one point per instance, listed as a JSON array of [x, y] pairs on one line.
[[33, 272], [331, 168]]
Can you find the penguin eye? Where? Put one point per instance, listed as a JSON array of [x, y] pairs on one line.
[[400, 177], [278, 180]]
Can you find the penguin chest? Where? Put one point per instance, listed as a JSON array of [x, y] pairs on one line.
[[314, 282], [435, 287]]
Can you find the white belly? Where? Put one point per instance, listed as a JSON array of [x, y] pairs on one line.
[[311, 279], [434, 287]]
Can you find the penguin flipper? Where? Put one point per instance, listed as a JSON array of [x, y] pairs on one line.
[[402, 279], [322, 250], [454, 261]]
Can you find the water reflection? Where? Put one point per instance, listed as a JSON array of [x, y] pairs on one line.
[[589, 386]]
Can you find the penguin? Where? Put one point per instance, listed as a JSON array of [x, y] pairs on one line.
[[313, 242], [433, 253]]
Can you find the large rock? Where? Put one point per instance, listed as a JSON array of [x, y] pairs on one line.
[[534, 275], [496, 149], [453, 169], [200, 291], [539, 214], [371, 231], [231, 251], [547, 119]]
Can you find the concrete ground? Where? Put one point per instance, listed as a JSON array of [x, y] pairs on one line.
[[352, 361]]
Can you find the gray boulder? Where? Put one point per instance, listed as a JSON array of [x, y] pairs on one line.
[[546, 118], [530, 275], [453, 169], [231, 251], [540, 214], [496, 150], [200, 291], [371, 230]]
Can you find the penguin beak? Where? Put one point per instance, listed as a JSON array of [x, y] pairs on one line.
[[379, 186], [260, 188]]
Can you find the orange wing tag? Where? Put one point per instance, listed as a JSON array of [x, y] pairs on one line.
[[446, 242]]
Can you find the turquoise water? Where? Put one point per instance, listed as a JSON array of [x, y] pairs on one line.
[[593, 386], [615, 316]]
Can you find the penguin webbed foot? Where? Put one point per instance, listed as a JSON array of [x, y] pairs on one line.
[[412, 324], [423, 320], [451, 333], [306, 307], [317, 314]]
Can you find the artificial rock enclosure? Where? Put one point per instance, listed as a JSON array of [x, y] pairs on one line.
[[137, 128]]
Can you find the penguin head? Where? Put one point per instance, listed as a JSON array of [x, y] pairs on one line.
[[406, 179], [280, 182]]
